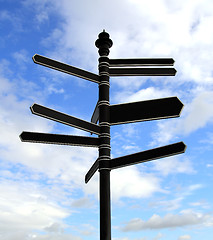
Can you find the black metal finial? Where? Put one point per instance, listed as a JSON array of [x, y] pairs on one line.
[[103, 43]]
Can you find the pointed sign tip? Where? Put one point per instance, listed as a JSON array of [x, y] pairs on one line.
[[32, 108], [35, 58], [87, 177], [22, 136], [173, 61], [184, 147]]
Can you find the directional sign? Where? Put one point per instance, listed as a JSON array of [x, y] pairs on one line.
[[47, 62], [64, 118], [148, 155], [92, 171], [108, 115], [145, 110], [59, 139], [145, 156], [116, 72], [95, 115], [141, 62]]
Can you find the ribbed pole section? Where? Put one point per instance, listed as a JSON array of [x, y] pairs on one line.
[[104, 43]]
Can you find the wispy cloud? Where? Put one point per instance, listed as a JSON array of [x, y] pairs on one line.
[[181, 197], [184, 237], [185, 218], [173, 165]]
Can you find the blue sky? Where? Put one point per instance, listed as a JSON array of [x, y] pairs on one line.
[[42, 191]]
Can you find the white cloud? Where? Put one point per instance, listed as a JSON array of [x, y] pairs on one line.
[[202, 203], [185, 218], [12, 18], [159, 236], [21, 57], [177, 202], [181, 32], [141, 95], [200, 112], [172, 165], [54, 227], [86, 229], [129, 182], [82, 203], [168, 205], [195, 115], [126, 238], [184, 237], [26, 206], [35, 236]]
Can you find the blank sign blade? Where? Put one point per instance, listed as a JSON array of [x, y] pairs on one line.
[[47, 62], [65, 119], [148, 155], [141, 62], [145, 110], [60, 139], [116, 72], [95, 115], [92, 171]]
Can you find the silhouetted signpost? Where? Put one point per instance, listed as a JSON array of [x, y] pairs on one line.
[[108, 115]]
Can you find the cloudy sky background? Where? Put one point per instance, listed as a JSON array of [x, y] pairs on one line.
[[42, 191]]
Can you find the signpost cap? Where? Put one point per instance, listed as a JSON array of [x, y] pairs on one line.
[[103, 43]]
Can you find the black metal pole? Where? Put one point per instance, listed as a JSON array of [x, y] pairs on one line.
[[104, 43]]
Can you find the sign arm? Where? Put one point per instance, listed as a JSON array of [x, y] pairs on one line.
[[141, 62], [64, 118], [47, 62], [95, 115], [116, 72], [148, 155], [60, 139], [92, 171], [145, 110]]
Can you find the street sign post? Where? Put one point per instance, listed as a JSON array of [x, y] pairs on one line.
[[108, 115]]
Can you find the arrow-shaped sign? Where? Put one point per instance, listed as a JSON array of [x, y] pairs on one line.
[[47, 62], [116, 72], [140, 157], [145, 110], [141, 62], [65, 119], [59, 139], [148, 155]]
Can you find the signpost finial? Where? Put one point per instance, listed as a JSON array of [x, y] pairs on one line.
[[103, 43]]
